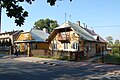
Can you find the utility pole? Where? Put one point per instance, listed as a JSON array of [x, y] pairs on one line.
[[0, 18], [70, 17], [0, 15], [65, 17]]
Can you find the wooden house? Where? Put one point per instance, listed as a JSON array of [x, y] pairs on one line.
[[7, 40], [74, 41], [33, 43]]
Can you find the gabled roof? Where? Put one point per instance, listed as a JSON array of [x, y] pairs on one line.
[[39, 35], [11, 32], [78, 29], [95, 35], [84, 33]]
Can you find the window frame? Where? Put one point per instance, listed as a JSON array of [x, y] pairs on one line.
[[54, 46], [75, 45], [66, 45]]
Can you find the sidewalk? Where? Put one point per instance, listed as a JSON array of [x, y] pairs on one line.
[[42, 60], [47, 60], [94, 59]]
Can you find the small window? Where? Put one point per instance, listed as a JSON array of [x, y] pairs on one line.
[[75, 45], [65, 45], [55, 46], [33, 46], [90, 46]]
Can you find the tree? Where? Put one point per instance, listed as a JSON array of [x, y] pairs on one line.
[[47, 23], [52, 2], [13, 9], [117, 42], [116, 47], [110, 41]]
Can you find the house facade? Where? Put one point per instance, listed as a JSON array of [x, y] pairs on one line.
[[75, 42], [32, 43], [7, 40]]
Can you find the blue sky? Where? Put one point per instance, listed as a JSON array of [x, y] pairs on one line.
[[99, 15]]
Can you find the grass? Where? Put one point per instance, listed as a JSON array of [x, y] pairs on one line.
[[63, 58], [49, 57]]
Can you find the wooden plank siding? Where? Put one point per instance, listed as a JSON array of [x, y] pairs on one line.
[[24, 42], [86, 48], [42, 46]]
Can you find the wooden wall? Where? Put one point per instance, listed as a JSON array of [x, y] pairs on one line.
[[42, 45]]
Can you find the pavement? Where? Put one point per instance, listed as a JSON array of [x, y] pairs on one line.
[[91, 71], [24, 58]]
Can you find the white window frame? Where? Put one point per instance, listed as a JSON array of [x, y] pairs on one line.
[[66, 46], [75, 45], [90, 46], [54, 46]]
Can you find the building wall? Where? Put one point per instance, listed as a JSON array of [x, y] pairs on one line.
[[34, 46], [24, 36], [73, 37], [88, 48], [43, 45], [91, 49]]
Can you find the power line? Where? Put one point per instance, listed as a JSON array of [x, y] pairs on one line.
[[108, 26]]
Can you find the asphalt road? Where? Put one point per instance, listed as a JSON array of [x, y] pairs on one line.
[[11, 69]]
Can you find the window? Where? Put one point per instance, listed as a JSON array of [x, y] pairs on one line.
[[66, 45], [55, 46], [90, 46], [33, 46], [75, 45]]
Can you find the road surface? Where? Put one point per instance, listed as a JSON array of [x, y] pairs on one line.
[[11, 69]]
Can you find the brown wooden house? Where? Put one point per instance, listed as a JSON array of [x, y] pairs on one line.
[[33, 43], [7, 40], [75, 42]]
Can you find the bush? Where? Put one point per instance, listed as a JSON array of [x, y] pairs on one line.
[[115, 50], [112, 58]]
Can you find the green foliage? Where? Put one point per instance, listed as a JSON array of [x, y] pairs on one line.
[[52, 2], [115, 50], [47, 23], [116, 47], [13, 9], [117, 42], [112, 58], [110, 41], [64, 58], [43, 56]]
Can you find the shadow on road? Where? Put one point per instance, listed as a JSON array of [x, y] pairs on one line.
[[15, 70]]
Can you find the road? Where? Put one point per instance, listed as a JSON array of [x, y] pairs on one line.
[[11, 69]]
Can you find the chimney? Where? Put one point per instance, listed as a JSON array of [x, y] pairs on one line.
[[45, 30], [83, 25], [78, 23], [86, 26]]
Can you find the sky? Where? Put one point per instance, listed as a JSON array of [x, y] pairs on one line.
[[103, 16]]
